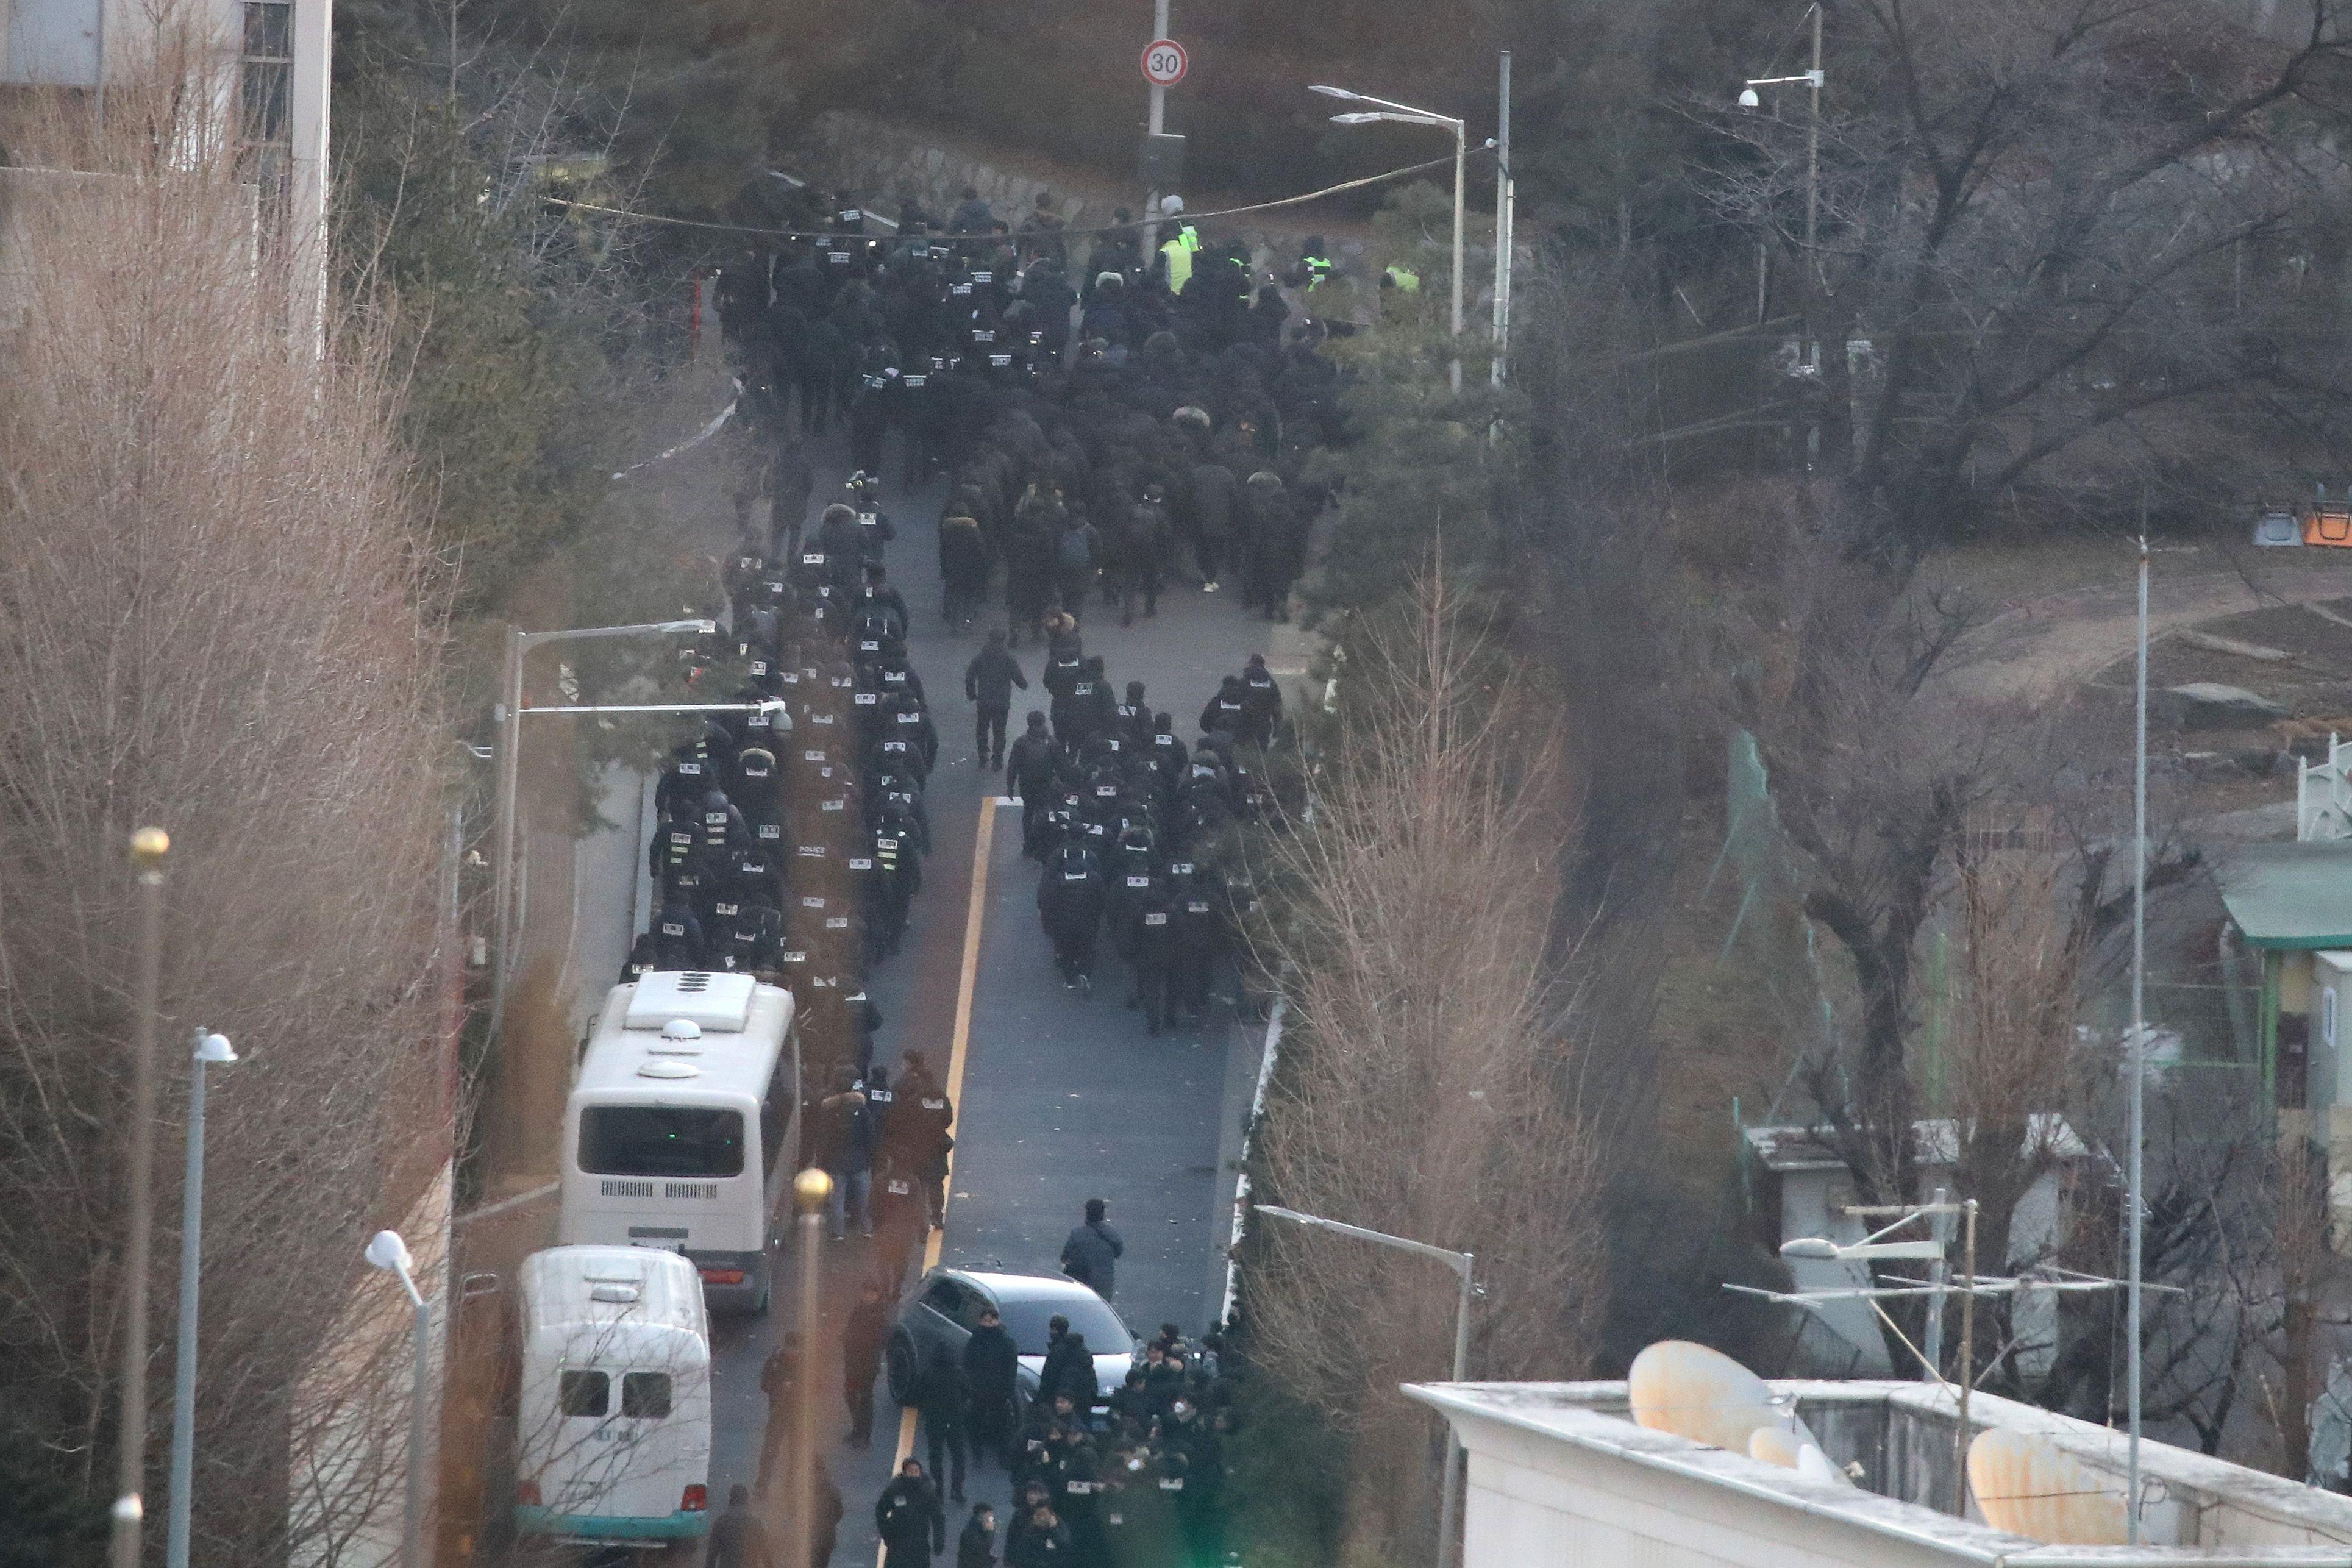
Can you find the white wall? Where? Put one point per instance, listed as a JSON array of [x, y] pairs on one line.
[[1536, 1501]]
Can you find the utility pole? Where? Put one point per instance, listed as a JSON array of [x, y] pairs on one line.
[[1503, 195], [2138, 1053], [1813, 158], [1816, 281]]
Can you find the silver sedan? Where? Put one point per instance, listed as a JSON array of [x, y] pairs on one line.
[[946, 1306]]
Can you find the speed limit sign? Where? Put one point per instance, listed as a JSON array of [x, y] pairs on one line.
[[1163, 62]]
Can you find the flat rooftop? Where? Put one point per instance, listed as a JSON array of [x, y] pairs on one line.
[[1896, 1439]]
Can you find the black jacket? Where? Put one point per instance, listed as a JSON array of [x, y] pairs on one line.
[[1030, 766], [1069, 1369], [941, 1392], [990, 678], [738, 1539], [990, 1364], [907, 1518], [1091, 1255], [976, 1546], [1211, 493]]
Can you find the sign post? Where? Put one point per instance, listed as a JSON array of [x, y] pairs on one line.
[[1163, 67]]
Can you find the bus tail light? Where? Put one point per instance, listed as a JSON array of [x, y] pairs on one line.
[[696, 1500], [722, 1277]]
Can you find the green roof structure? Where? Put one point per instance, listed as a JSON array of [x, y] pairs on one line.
[[2294, 897]]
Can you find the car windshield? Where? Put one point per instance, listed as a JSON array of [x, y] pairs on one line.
[[1025, 1321], [660, 1141]]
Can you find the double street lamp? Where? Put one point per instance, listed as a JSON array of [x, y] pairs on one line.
[[1463, 1265], [1405, 114], [509, 718]]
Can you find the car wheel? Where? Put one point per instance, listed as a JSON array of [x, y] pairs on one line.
[[901, 1368]]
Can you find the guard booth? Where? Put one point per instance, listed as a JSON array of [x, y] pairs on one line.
[[2290, 909]]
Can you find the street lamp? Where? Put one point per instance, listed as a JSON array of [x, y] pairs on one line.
[[387, 1251], [509, 718], [149, 848], [1750, 99], [810, 1190], [211, 1050], [1814, 78], [1405, 114], [1463, 1264]]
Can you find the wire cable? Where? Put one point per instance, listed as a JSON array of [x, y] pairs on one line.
[[571, 206]]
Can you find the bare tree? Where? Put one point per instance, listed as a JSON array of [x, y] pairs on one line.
[[1428, 1088], [217, 622], [2067, 239]]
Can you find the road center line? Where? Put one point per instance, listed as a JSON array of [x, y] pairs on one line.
[[958, 1048]]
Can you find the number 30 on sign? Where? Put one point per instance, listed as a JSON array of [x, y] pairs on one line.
[[1163, 62]]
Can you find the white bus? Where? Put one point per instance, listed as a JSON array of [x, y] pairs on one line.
[[683, 1128], [612, 1436]]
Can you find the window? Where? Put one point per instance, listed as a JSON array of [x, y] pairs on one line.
[[266, 72], [584, 1392], [1025, 1321], [645, 1394], [776, 1112], [660, 1141], [944, 1298]]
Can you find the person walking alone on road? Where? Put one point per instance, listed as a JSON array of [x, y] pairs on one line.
[[988, 682], [1091, 1254], [907, 1518], [738, 1538]]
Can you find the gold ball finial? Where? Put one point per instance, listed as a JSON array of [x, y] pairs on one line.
[[812, 1187], [149, 846]]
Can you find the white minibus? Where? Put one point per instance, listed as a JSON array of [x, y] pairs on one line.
[[613, 1434], [683, 1128]]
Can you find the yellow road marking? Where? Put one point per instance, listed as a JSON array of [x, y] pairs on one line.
[[958, 1050]]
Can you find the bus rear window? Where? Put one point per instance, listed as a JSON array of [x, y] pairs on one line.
[[660, 1141], [584, 1392], [645, 1394]]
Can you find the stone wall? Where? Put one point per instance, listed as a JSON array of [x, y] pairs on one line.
[[882, 165]]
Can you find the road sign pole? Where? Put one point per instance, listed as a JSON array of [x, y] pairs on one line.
[[1156, 123]]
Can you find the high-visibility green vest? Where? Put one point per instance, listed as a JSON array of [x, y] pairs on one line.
[[1177, 255], [1318, 267], [1406, 279]]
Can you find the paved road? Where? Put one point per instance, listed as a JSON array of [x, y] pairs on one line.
[[2042, 648], [1063, 1097]]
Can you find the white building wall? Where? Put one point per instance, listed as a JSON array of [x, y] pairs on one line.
[[1537, 1502]]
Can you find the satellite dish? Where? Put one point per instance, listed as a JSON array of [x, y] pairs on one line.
[[1692, 1392], [2028, 1486]]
